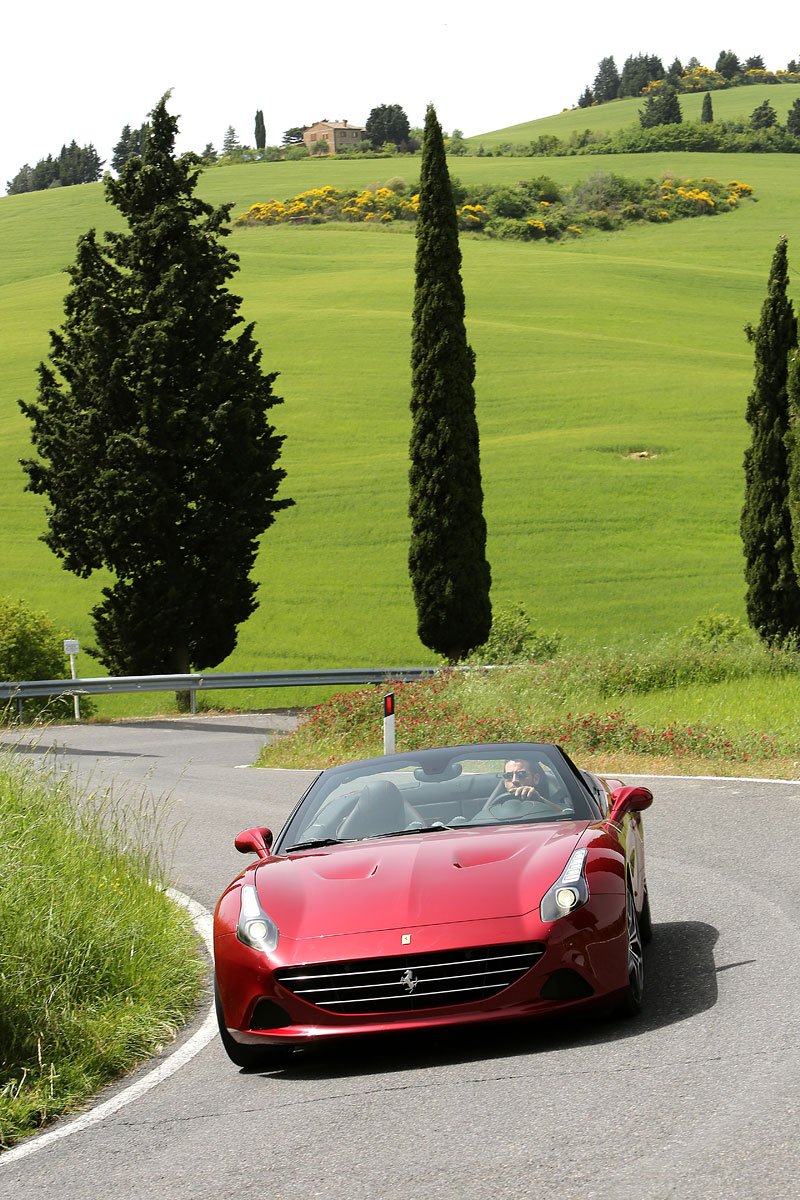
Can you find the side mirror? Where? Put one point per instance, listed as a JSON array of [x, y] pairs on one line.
[[629, 799], [254, 841]]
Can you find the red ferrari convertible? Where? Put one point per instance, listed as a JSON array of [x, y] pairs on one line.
[[440, 887]]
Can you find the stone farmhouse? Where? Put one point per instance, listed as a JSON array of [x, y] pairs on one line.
[[339, 135]]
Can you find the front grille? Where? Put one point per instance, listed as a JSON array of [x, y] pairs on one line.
[[413, 981]]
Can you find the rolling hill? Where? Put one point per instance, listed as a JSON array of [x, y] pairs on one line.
[[588, 352], [730, 104]]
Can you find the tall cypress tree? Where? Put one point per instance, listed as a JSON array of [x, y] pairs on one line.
[[707, 112], [450, 575], [260, 131], [773, 594], [793, 453], [155, 452]]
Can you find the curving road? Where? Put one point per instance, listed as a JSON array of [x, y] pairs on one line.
[[699, 1097]]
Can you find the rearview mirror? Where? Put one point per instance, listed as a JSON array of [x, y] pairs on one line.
[[629, 799], [254, 841]]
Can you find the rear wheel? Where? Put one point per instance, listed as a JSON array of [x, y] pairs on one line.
[[632, 1000], [251, 1058]]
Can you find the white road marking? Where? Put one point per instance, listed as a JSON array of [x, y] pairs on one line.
[[202, 921]]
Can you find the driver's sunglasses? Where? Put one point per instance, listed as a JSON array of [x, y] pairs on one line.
[[515, 774]]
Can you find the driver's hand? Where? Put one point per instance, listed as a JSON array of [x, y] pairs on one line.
[[530, 793]]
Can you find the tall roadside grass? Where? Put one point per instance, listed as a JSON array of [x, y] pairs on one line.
[[710, 700], [97, 966]]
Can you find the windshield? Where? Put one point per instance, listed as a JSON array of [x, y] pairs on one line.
[[440, 789]]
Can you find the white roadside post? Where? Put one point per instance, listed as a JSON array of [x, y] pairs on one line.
[[388, 723], [72, 647]]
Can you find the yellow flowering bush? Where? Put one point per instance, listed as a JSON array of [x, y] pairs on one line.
[[472, 216], [702, 79]]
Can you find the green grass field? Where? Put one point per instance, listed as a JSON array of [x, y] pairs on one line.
[[586, 350]]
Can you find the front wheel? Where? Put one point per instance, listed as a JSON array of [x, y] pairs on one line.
[[251, 1058], [645, 920], [632, 1000]]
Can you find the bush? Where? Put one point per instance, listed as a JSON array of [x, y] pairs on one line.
[[717, 629], [32, 648], [512, 640]]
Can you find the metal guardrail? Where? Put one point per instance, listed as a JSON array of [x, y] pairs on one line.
[[106, 685]]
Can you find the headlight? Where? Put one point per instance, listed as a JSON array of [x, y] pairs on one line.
[[569, 891], [255, 928]]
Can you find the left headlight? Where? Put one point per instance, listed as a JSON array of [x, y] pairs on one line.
[[569, 891], [255, 928]]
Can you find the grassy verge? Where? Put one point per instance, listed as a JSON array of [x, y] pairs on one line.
[[97, 966], [668, 708]]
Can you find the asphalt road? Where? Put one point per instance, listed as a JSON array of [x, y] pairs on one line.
[[699, 1097]]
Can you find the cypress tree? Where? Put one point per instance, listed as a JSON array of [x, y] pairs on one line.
[[773, 594], [260, 131], [151, 427], [450, 575], [793, 453], [707, 112]]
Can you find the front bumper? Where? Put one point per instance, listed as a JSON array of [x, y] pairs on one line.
[[581, 959]]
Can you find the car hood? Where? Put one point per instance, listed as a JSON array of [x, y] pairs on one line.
[[423, 879]]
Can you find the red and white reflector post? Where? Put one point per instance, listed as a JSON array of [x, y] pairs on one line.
[[388, 723]]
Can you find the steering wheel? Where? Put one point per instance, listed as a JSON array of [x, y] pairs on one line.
[[511, 808]]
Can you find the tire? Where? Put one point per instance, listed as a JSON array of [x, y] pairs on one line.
[[645, 921], [631, 1003], [250, 1058]]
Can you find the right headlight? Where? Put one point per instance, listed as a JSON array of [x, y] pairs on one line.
[[255, 928], [569, 891]]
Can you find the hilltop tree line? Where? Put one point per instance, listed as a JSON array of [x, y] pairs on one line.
[[639, 71], [73, 164], [387, 127]]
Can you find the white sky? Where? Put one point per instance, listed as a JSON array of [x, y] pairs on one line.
[[85, 69]]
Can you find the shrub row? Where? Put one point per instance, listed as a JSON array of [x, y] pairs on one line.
[[530, 210], [721, 137]]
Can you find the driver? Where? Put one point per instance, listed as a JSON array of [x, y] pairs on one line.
[[520, 779]]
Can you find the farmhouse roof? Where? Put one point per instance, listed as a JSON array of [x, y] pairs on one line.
[[336, 125]]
